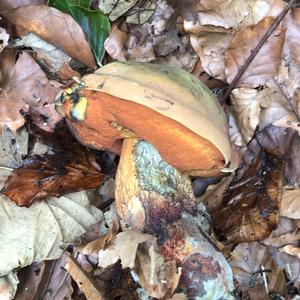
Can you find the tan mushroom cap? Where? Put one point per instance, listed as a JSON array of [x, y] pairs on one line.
[[164, 105]]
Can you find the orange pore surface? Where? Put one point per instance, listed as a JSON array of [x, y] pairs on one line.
[[178, 145]]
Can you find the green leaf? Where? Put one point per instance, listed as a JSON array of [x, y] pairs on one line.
[[94, 23]]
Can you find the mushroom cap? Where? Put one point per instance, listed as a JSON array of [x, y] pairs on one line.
[[164, 105]]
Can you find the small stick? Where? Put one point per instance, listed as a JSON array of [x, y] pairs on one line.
[[242, 70], [265, 278]]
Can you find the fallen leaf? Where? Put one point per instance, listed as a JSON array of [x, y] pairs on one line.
[[141, 12], [290, 264], [210, 47], [70, 167], [285, 233], [265, 64], [157, 38], [56, 28], [249, 211], [100, 243], [10, 4], [66, 73], [8, 286], [261, 108], [25, 86], [246, 261], [292, 37], [50, 57], [229, 14], [237, 14], [42, 230], [114, 44], [276, 279], [13, 147], [188, 8], [117, 283], [116, 9], [29, 279], [46, 280], [84, 281], [246, 102], [290, 204], [291, 250], [123, 247], [292, 171]]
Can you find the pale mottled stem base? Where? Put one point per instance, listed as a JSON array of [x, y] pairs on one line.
[[154, 197]]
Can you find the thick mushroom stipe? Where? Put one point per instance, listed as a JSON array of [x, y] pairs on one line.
[[153, 197]]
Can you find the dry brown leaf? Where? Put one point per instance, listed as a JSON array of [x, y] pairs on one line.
[[186, 9], [292, 38], [266, 63], [228, 15], [66, 73], [246, 103], [285, 233], [236, 14], [276, 279], [48, 56], [291, 250], [210, 47], [114, 44], [85, 283], [259, 108], [246, 260], [117, 283], [249, 211], [290, 204], [71, 168], [290, 263], [10, 4], [48, 275], [100, 243], [124, 247], [56, 28], [25, 86]]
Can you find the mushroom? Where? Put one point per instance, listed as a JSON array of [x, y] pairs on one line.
[[166, 125]]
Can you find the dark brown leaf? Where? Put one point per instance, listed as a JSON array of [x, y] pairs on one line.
[[73, 168], [250, 205], [118, 282]]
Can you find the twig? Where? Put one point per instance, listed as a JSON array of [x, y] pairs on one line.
[[288, 100], [254, 52]]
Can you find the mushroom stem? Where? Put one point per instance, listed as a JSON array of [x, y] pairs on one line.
[[154, 197]]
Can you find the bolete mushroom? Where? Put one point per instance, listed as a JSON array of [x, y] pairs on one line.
[[166, 125], [163, 105]]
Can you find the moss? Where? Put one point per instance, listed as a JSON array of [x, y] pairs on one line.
[[153, 173]]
